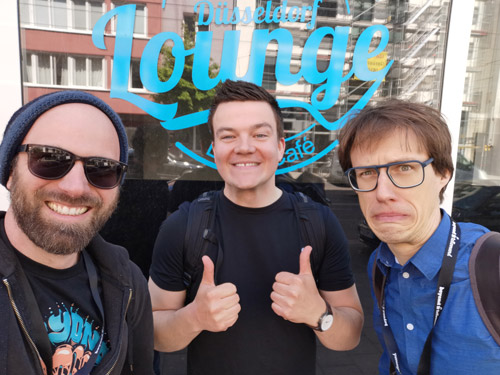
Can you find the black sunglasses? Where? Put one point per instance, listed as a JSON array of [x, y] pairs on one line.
[[53, 163]]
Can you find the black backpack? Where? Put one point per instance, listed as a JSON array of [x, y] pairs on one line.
[[200, 235], [484, 270]]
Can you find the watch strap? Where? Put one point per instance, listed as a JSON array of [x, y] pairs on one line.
[[323, 316]]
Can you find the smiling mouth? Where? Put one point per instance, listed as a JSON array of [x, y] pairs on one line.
[[249, 164], [246, 164], [65, 210]]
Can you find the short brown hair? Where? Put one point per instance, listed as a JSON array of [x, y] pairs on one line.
[[242, 91], [367, 126]]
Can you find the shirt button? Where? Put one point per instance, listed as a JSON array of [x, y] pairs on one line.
[[406, 275], [410, 327]]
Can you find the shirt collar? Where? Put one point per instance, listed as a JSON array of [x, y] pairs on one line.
[[429, 258]]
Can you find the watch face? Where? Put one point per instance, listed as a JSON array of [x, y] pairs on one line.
[[326, 322]]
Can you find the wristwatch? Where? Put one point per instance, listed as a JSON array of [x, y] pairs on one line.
[[326, 320]]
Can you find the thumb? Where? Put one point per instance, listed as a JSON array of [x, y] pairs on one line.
[[305, 261], [208, 271]]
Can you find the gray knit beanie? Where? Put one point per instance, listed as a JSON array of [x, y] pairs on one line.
[[22, 120]]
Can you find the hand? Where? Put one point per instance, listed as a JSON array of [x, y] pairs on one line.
[[216, 306], [296, 297]]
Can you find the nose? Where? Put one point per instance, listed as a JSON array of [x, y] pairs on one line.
[[245, 145], [75, 183], [385, 188]]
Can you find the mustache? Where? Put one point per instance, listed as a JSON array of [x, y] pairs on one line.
[[83, 200]]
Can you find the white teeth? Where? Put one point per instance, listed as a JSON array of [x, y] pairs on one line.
[[65, 210], [246, 164]]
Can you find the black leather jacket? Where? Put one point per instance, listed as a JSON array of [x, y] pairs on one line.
[[124, 293]]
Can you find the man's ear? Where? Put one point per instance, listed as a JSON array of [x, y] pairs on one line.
[[213, 151], [12, 166], [9, 182], [445, 178], [281, 147]]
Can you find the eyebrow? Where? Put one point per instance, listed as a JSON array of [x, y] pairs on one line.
[[389, 164], [253, 127]]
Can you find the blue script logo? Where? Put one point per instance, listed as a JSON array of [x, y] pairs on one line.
[[328, 82]]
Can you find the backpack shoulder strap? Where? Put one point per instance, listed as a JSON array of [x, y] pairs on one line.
[[377, 281], [484, 269], [199, 234], [312, 228]]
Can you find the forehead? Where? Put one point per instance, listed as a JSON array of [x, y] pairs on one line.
[[239, 114], [387, 147], [76, 127]]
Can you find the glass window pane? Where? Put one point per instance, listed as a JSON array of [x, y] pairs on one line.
[[61, 70], [27, 68], [41, 11], [80, 71], [24, 12], [140, 20], [95, 12], [79, 15], [135, 81], [477, 172], [59, 14], [96, 77], [43, 69]]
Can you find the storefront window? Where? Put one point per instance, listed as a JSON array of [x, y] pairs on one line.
[[415, 30], [477, 187]]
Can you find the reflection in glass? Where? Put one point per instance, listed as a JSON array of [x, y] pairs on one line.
[[43, 71], [79, 15], [80, 71], [41, 11], [59, 14]]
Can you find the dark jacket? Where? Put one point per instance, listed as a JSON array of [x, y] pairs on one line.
[[124, 293]]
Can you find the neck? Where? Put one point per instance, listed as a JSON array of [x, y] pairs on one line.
[[24, 245], [252, 198]]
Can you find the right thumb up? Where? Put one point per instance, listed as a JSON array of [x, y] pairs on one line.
[[208, 271]]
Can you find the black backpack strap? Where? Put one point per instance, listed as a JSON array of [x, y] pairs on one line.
[[199, 235], [484, 269], [377, 281], [312, 228]]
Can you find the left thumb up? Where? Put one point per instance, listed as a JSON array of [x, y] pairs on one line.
[[305, 261]]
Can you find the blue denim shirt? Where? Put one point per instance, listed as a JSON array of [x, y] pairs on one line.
[[461, 343]]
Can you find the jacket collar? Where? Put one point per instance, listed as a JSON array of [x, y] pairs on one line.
[[111, 260]]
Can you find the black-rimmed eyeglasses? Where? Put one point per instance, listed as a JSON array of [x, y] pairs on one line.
[[53, 163], [403, 174]]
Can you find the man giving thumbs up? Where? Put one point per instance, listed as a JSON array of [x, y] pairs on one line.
[[260, 313]]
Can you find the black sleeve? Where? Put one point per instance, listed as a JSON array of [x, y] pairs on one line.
[[167, 265], [335, 272], [140, 326]]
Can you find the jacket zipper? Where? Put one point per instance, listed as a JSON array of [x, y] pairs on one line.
[[20, 319], [118, 352]]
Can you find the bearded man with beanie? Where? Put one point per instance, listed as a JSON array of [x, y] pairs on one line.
[[70, 303]]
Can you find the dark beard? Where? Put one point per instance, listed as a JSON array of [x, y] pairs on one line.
[[53, 237]]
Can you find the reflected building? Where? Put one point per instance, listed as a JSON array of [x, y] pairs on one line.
[[479, 143], [58, 53]]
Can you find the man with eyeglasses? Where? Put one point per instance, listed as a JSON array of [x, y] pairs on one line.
[[397, 157], [70, 303]]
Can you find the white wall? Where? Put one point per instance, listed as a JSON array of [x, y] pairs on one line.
[[10, 72]]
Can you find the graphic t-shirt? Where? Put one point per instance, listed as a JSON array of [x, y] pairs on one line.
[[71, 317]]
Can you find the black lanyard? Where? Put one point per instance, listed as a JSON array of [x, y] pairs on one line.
[[444, 282], [93, 281]]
